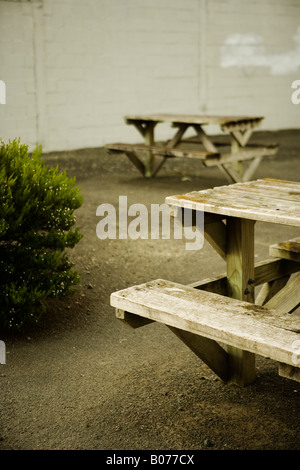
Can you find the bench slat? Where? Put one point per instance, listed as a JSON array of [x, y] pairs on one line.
[[289, 249], [163, 151], [243, 155], [240, 324]]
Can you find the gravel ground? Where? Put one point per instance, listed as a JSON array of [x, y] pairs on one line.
[[81, 380]]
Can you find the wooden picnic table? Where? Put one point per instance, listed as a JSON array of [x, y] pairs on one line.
[[220, 319], [232, 157], [231, 212]]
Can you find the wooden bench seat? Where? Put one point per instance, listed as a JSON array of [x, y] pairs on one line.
[[204, 314], [227, 143], [210, 158], [289, 249], [163, 151]]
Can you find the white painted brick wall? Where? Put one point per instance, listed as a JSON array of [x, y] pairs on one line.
[[86, 63], [17, 116], [253, 89]]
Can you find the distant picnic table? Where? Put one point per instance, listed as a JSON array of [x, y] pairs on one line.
[[237, 158], [220, 319]]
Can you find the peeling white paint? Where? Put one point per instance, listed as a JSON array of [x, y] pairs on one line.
[[244, 50]]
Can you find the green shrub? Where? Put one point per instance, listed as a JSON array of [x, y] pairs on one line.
[[37, 221]]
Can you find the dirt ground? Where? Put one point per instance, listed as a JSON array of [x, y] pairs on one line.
[[81, 379]]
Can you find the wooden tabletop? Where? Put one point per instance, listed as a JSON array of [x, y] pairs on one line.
[[193, 118], [267, 200]]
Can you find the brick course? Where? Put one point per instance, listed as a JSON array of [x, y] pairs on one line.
[[70, 81]]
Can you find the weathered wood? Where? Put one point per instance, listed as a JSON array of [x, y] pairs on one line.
[[240, 278], [150, 151], [240, 128], [227, 142], [254, 201], [289, 372], [146, 129], [149, 140], [214, 228], [164, 151], [242, 137], [215, 234], [247, 175], [270, 270], [230, 174], [217, 285], [266, 189], [286, 299], [241, 125], [289, 249], [179, 212], [134, 321], [209, 351], [269, 289], [178, 136], [229, 321], [240, 258], [264, 272], [227, 122], [237, 165], [253, 154], [142, 126], [240, 155], [204, 139], [241, 366], [136, 161], [156, 168]]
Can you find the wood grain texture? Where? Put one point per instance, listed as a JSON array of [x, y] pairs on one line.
[[240, 324], [165, 151], [290, 249], [240, 279], [241, 122], [267, 200]]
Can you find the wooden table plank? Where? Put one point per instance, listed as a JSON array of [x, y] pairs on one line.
[[265, 200], [193, 118], [273, 193]]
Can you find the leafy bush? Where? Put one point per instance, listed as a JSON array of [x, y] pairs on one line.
[[37, 206]]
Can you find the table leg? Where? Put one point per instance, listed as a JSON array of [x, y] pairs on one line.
[[146, 129], [179, 134], [239, 141], [238, 166], [171, 144], [149, 140], [230, 174], [240, 276]]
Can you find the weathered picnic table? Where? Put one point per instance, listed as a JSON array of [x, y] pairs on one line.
[[220, 319], [232, 157]]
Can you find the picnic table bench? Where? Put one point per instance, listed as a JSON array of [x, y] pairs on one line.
[[231, 162], [220, 319]]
